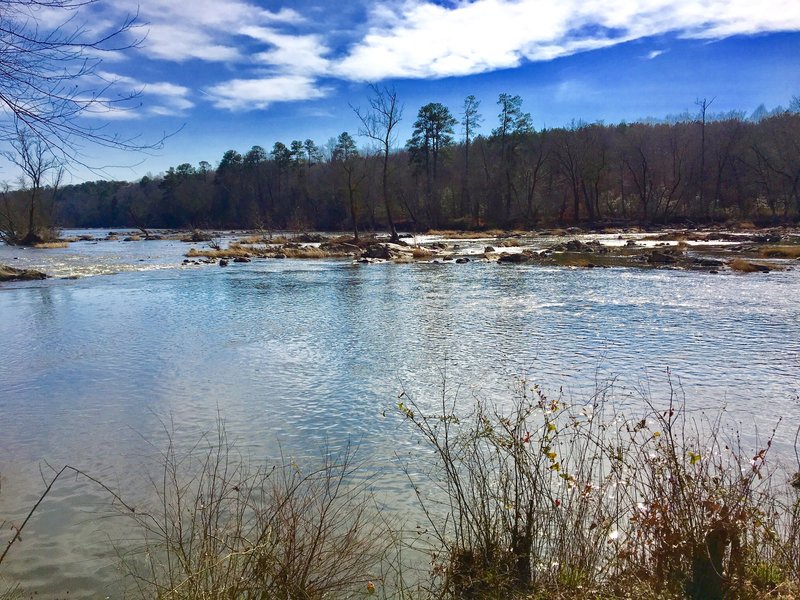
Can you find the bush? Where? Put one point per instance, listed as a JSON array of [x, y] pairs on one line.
[[223, 527], [545, 499]]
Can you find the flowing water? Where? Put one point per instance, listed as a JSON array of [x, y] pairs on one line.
[[296, 355]]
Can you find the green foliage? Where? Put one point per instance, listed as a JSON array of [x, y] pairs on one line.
[[432, 134], [345, 148], [513, 121]]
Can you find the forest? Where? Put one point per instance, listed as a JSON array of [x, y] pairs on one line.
[[454, 173]]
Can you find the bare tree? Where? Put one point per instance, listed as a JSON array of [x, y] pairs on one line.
[[36, 161], [49, 79], [378, 124], [470, 121], [703, 105]]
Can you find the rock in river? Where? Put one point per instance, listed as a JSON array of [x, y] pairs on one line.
[[520, 257], [12, 274], [661, 258]]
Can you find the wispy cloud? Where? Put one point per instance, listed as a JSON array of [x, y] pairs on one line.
[[250, 94], [158, 98], [422, 39]]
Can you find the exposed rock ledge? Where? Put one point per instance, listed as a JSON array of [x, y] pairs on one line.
[[12, 274]]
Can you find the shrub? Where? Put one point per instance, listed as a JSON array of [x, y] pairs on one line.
[[223, 527], [545, 499]]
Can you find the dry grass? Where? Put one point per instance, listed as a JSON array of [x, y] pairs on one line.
[[468, 235], [233, 251], [238, 250], [745, 225], [49, 245], [281, 239], [780, 251], [307, 252], [421, 253], [747, 266], [673, 236], [258, 239]]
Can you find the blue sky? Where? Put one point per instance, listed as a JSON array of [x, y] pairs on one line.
[[234, 73]]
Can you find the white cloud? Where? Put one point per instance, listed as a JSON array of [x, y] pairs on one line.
[[654, 53], [158, 98], [420, 39], [280, 55], [292, 53], [250, 94], [201, 29]]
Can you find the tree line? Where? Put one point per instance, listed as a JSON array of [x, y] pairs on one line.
[[455, 173]]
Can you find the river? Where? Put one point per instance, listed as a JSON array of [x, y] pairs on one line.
[[294, 355]]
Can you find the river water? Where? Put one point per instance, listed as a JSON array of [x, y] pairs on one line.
[[294, 355]]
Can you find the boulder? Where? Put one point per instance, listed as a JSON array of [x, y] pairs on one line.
[[310, 238], [385, 251], [577, 246], [661, 258], [489, 250], [521, 257], [767, 238], [708, 262], [241, 259], [338, 248], [377, 251], [12, 274], [223, 262], [462, 260]]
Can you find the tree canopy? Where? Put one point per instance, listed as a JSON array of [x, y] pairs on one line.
[[689, 169]]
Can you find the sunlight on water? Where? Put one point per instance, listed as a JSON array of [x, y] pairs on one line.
[[304, 354]]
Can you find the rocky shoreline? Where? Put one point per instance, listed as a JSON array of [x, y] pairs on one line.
[[711, 251]]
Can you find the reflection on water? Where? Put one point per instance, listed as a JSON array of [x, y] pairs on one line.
[[308, 353]]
